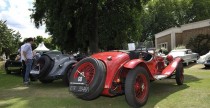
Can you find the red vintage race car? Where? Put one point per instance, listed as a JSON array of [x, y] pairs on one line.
[[122, 72]]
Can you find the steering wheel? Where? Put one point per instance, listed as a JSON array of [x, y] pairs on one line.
[[143, 55]]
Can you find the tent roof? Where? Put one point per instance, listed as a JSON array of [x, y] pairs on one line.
[[41, 47]]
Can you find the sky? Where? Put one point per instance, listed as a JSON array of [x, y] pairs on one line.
[[17, 17]]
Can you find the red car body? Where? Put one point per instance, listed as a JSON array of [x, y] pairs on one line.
[[117, 65]]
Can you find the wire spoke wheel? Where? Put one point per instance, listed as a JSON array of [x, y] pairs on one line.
[[89, 74], [137, 87]]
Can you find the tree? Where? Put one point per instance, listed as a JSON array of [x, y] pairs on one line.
[[199, 10], [10, 40], [77, 24], [199, 44], [160, 15]]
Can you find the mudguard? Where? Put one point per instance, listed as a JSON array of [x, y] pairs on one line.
[[133, 63], [171, 67], [59, 67]]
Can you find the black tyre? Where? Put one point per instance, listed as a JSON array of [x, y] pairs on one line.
[[46, 81], [207, 66], [93, 73], [6, 68], [137, 86], [32, 78], [45, 63], [179, 74], [67, 74]]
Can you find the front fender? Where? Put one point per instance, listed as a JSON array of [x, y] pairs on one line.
[[60, 67], [133, 63], [171, 67]]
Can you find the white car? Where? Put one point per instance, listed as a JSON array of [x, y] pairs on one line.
[[204, 59], [186, 54]]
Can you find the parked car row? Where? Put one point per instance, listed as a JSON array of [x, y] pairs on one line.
[[113, 73], [109, 73], [188, 56]]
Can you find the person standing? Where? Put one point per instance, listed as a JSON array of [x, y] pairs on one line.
[[22, 60], [27, 55]]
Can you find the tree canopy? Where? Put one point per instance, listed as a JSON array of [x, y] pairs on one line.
[[93, 24], [160, 15], [111, 24]]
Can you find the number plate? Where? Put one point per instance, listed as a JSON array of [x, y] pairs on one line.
[[34, 72], [78, 87]]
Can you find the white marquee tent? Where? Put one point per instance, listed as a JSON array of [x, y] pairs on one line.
[[41, 47]]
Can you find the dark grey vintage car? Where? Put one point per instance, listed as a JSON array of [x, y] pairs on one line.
[[52, 66]]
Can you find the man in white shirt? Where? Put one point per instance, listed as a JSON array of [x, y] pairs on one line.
[[27, 57]]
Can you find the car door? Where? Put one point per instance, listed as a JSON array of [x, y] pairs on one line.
[[187, 56]]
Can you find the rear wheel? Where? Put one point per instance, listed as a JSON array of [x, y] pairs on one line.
[[137, 87], [45, 63], [91, 73], [179, 74]]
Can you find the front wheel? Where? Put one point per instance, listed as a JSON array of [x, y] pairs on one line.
[[137, 87], [66, 75], [179, 74]]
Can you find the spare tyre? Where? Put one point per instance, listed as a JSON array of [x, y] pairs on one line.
[[45, 65], [87, 79]]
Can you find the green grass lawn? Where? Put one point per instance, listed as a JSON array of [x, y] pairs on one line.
[[195, 93]]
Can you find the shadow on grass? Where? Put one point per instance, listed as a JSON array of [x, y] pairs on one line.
[[160, 90], [191, 64], [54, 84], [205, 68]]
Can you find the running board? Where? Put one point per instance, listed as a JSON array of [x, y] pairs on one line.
[[159, 77]]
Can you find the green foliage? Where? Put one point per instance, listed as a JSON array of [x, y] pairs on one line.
[[199, 10], [47, 41], [120, 22], [10, 40], [76, 24], [160, 15], [200, 44]]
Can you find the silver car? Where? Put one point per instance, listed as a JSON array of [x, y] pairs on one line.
[[204, 59], [186, 54]]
